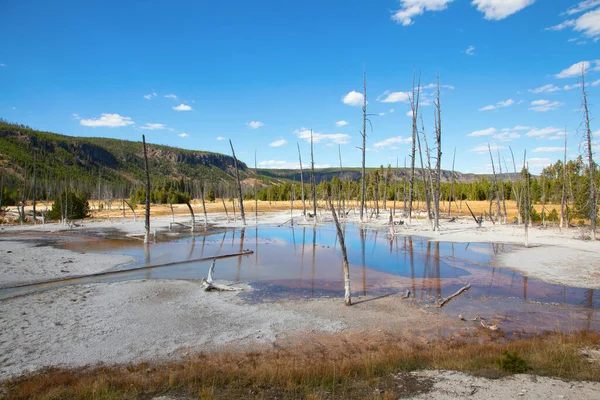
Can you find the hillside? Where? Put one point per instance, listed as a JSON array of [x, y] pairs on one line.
[[121, 161], [353, 174], [60, 156]]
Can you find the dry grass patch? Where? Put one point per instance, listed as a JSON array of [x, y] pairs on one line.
[[335, 366]]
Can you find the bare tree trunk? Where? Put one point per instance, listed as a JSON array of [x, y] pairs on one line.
[[1, 188], [314, 183], [255, 191], [414, 106], [526, 198], [147, 220], [203, 203], [564, 185], [502, 197], [498, 212], [438, 139], [301, 181], [591, 164], [451, 183], [34, 187], [364, 148], [425, 179], [345, 265], [395, 187], [518, 193], [239, 184], [192, 215], [225, 208]]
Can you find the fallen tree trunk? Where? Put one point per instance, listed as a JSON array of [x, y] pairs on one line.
[[123, 271], [463, 289]]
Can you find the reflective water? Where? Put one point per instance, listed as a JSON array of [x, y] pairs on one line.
[[305, 261]]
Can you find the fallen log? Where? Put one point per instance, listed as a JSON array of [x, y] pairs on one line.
[[463, 289], [209, 284], [124, 271]]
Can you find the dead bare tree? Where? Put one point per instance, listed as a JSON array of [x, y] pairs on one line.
[[518, 192], [526, 198], [364, 148], [255, 189], [414, 106], [563, 200], [498, 212], [591, 164], [147, 220], [438, 139], [202, 188], [501, 188], [313, 181], [239, 184], [426, 176], [301, 181], [343, 193], [345, 265], [34, 187]]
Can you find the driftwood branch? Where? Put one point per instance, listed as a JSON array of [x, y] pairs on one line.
[[208, 284], [463, 289]]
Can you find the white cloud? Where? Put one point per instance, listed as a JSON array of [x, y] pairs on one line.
[[392, 142], [543, 133], [341, 123], [409, 113], [183, 134], [521, 128], [574, 70], [153, 127], [483, 132], [589, 23], [500, 9], [544, 105], [170, 96], [330, 138], [411, 8], [394, 97], [566, 24], [596, 83], [484, 148], [254, 124], [506, 136], [573, 86], [182, 107], [434, 86], [548, 149], [353, 99], [545, 89], [150, 96], [220, 138], [278, 143], [2, 65], [470, 51], [582, 6], [499, 104], [107, 120], [75, 115], [276, 164]]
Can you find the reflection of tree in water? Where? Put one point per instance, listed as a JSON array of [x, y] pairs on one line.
[[241, 249], [364, 266], [148, 272]]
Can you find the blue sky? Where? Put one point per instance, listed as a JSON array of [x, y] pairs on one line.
[[193, 74]]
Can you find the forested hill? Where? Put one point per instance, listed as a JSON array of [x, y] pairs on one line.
[[120, 161], [353, 174], [87, 159]]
